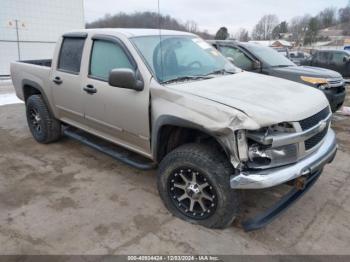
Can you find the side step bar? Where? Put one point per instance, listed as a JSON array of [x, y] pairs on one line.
[[114, 151], [282, 205]]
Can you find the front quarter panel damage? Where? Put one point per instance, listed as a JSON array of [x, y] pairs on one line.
[[216, 119]]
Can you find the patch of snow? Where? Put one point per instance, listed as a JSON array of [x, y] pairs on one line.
[[8, 99]]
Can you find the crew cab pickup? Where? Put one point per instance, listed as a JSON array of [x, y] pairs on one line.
[[265, 60], [168, 99]]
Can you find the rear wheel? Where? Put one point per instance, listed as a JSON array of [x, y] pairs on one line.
[[193, 182], [43, 126]]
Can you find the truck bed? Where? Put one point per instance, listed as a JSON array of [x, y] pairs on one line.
[[35, 71]]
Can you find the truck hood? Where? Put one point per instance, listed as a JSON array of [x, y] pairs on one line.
[[305, 71], [265, 99]]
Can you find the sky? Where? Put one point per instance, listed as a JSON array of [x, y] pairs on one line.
[[212, 14]]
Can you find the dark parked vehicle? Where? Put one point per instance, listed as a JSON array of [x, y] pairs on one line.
[[337, 60], [297, 57], [265, 60]]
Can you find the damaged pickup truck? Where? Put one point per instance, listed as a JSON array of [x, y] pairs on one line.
[[172, 100]]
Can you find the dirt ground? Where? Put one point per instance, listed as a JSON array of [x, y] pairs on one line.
[[65, 198]]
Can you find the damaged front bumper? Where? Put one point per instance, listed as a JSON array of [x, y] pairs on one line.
[[265, 178]]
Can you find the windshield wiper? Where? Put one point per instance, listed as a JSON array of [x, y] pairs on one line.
[[184, 78], [282, 66], [220, 72]]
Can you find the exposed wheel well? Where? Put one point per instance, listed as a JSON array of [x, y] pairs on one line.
[[29, 91], [171, 137]]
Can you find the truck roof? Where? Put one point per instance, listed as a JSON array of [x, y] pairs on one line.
[[132, 32]]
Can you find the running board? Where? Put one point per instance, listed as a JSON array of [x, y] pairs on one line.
[[282, 205], [114, 151]]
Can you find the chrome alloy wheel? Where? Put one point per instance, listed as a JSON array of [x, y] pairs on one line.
[[35, 120], [192, 193]]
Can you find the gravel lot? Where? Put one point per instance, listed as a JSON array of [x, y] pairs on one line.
[[66, 198]]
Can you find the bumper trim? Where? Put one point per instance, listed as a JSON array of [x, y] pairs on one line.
[[275, 176]]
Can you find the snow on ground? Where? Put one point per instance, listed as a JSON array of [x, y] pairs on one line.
[[10, 98]]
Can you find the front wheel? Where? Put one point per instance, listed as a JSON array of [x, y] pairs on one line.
[[193, 182]]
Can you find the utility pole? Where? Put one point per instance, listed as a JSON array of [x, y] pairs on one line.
[[17, 33]]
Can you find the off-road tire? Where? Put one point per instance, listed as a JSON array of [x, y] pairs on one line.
[[217, 170], [50, 128]]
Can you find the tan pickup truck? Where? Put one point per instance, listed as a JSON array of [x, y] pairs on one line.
[[171, 100]]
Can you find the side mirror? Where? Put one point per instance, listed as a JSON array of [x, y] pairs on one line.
[[256, 65], [346, 59], [125, 78]]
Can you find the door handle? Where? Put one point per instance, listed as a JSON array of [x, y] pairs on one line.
[[57, 80], [90, 89]]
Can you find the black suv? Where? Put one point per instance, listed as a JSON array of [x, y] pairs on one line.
[[265, 60], [337, 60]]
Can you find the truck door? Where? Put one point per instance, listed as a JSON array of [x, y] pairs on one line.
[[339, 62], [323, 59], [121, 115], [238, 57], [66, 78]]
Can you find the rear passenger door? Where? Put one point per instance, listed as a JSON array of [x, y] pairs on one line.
[[322, 59], [67, 80]]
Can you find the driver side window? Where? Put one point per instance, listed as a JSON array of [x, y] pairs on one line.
[[106, 56], [240, 59]]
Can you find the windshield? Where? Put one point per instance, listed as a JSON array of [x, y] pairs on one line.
[[178, 57], [269, 56]]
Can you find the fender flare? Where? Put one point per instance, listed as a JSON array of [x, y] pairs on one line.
[[27, 82], [178, 122]]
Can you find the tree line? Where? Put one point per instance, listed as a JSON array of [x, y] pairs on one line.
[[147, 20], [300, 29]]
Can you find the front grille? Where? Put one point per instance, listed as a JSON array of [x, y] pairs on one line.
[[312, 121], [314, 140], [315, 119], [334, 82]]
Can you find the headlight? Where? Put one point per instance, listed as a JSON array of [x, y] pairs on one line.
[[315, 80]]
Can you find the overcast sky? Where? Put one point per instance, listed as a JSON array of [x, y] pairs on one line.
[[212, 14]]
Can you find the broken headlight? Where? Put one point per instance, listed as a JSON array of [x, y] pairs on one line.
[[261, 153]]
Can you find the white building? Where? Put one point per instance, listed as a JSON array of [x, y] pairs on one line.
[[30, 28]]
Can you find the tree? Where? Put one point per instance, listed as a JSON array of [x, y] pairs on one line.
[[327, 17], [312, 31], [242, 35], [282, 28], [298, 27], [222, 34], [191, 26], [344, 14], [263, 29]]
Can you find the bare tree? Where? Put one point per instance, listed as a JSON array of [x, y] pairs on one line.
[[298, 27], [191, 26], [242, 35], [327, 17], [263, 29], [344, 14]]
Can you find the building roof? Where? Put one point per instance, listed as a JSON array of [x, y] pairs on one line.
[[272, 42]]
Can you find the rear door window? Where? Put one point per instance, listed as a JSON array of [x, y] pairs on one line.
[[71, 54], [323, 57], [338, 58]]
